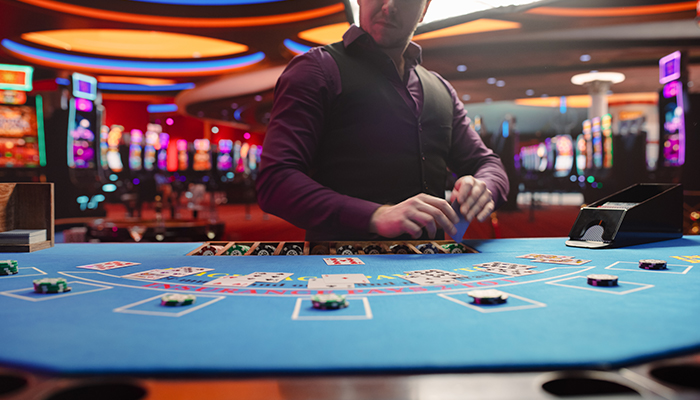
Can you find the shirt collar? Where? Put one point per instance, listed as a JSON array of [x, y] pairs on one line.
[[355, 35]]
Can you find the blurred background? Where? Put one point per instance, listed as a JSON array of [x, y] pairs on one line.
[[149, 115]]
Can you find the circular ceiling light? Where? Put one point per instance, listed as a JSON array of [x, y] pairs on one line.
[[135, 43], [612, 77]]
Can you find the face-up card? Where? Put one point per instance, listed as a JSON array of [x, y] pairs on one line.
[[104, 266], [436, 273], [229, 281], [461, 226], [544, 256], [345, 278], [509, 272], [505, 265], [268, 276], [316, 283], [343, 261], [425, 280], [151, 275], [186, 271], [570, 261]]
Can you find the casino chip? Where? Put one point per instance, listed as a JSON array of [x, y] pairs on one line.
[[373, 249], [51, 285], [8, 267], [328, 301], [320, 249], [488, 296], [346, 250], [427, 248], [237, 250], [602, 280], [210, 250], [292, 249], [400, 249], [264, 250], [652, 264], [454, 248], [177, 299]]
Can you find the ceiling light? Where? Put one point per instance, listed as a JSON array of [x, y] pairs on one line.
[[461, 68]]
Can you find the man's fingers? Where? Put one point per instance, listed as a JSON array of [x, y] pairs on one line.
[[485, 212]]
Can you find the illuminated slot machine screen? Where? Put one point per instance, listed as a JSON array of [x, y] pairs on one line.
[[182, 158], [114, 139], [564, 155], [21, 120], [597, 143], [83, 123], [162, 152], [104, 146], [135, 150], [20, 137], [606, 131], [202, 157], [224, 162], [151, 147]]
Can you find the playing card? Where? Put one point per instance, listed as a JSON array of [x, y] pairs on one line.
[[504, 265], [230, 281], [151, 275], [570, 261], [268, 276], [436, 273], [509, 272], [317, 283], [429, 280], [345, 278], [104, 266], [343, 261], [544, 256], [185, 271], [461, 226]]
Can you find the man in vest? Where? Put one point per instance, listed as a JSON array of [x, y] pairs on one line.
[[362, 140]]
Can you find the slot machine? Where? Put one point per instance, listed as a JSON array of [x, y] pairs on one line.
[[22, 139]]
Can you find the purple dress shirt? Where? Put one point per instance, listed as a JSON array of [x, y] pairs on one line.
[[303, 95]]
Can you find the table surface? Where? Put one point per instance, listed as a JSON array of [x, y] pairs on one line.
[[552, 320]]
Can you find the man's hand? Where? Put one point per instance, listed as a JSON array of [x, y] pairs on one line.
[[412, 215], [474, 198]]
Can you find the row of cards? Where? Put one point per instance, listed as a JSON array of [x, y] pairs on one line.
[[337, 281], [554, 259], [155, 274], [247, 280]]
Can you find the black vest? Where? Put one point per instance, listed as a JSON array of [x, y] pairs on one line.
[[373, 146]]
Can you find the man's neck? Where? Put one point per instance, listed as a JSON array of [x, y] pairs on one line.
[[396, 55]]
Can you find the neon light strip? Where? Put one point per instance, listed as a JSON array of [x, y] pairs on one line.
[[188, 22], [50, 58], [295, 47], [161, 108], [71, 128], [613, 11], [130, 87], [27, 85], [39, 104], [208, 2]]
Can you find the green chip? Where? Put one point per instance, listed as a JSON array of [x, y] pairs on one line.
[[177, 299]]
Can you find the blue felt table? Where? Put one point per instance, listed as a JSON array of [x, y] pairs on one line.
[[552, 320]]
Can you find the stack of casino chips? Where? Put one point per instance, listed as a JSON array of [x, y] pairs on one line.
[[428, 248], [488, 296], [652, 264], [602, 280], [177, 299], [51, 285], [264, 250], [8, 267], [328, 301], [237, 250], [454, 248], [210, 250]]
